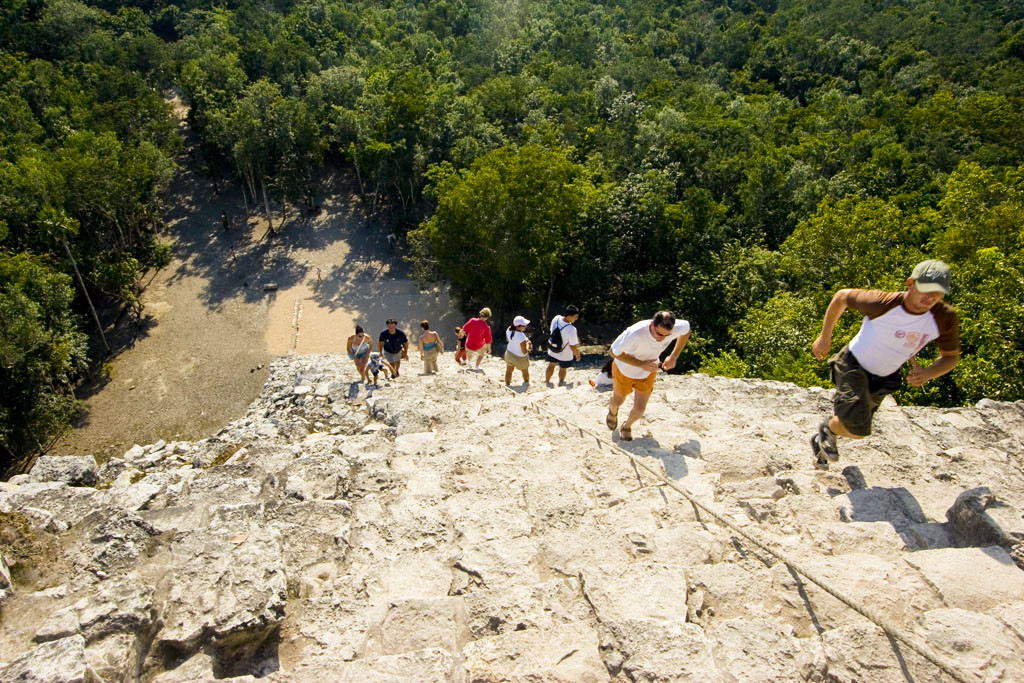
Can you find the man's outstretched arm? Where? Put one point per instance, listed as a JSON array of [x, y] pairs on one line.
[[823, 344]]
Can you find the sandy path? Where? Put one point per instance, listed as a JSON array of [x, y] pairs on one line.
[[214, 324]]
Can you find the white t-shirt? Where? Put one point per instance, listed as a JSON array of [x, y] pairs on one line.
[[637, 341], [569, 338], [890, 334], [515, 341]]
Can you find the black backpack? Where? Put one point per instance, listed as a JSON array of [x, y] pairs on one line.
[[555, 342]]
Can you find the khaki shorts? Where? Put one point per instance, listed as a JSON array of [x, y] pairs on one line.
[[858, 392], [518, 362], [625, 385]]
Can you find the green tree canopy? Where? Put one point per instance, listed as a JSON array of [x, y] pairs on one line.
[[41, 354], [504, 230]]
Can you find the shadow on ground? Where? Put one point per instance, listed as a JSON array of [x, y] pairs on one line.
[[674, 460]]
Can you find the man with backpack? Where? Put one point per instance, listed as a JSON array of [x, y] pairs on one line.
[[563, 344]]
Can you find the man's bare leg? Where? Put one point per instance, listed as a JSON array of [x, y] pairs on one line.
[[615, 403], [639, 406], [837, 427]]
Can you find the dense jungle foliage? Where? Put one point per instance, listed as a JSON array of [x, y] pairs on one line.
[[735, 161]]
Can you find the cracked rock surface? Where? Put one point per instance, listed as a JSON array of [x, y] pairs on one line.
[[441, 528]]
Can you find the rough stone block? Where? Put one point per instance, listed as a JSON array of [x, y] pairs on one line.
[[58, 661], [61, 624], [114, 658], [886, 587], [970, 578], [518, 608], [1012, 616], [229, 593], [198, 667], [568, 652], [68, 504], [862, 653], [659, 650], [134, 453], [322, 630], [980, 518], [411, 625], [636, 591], [74, 470], [430, 666], [972, 642], [762, 649], [728, 589]]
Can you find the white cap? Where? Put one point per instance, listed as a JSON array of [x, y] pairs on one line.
[[520, 320]]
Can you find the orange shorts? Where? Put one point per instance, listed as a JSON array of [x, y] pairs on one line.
[[625, 385]]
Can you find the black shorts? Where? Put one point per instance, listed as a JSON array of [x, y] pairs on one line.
[[561, 363], [858, 392]]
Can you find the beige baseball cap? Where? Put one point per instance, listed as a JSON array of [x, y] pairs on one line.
[[932, 276]]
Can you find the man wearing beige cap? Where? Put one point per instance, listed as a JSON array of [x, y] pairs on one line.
[[896, 326]]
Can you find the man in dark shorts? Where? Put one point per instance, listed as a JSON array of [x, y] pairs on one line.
[[393, 344], [896, 326]]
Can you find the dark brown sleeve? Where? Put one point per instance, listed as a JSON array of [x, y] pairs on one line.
[[873, 302], [949, 327]]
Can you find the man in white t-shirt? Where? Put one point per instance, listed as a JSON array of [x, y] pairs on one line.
[[895, 327], [569, 352], [636, 352]]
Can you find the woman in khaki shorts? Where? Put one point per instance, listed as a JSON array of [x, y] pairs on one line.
[[517, 354], [431, 347]]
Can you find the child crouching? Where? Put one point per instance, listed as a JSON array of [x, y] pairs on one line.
[[378, 363]]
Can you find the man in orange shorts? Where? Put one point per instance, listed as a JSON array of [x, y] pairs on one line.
[[636, 352]]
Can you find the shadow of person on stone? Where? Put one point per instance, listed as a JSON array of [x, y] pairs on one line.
[[673, 460], [897, 506], [976, 519]]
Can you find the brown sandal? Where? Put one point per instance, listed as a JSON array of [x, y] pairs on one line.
[[626, 434], [611, 421]]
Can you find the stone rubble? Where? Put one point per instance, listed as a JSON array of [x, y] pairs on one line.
[[441, 528]]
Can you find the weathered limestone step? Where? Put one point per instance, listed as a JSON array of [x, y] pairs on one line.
[[435, 528], [566, 652]]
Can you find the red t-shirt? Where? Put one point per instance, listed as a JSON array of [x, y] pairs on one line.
[[478, 333]]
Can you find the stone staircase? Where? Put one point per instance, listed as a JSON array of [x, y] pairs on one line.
[[443, 528]]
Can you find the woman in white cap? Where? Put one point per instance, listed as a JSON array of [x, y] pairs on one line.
[[517, 354]]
